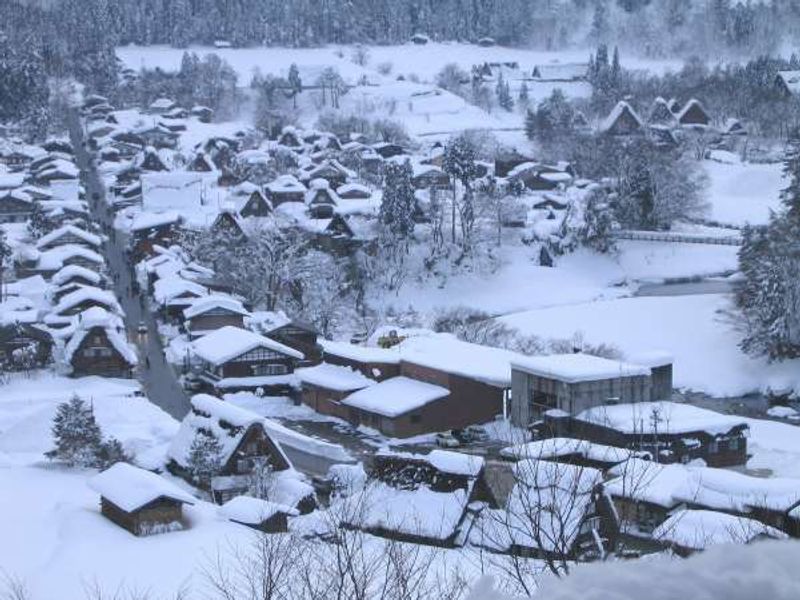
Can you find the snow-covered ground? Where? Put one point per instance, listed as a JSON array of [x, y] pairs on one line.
[[694, 329], [743, 192]]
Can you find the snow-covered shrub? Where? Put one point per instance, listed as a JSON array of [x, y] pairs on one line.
[[205, 457], [384, 68]]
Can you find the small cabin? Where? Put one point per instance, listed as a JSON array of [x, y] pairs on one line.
[[622, 121], [285, 188], [321, 200], [140, 501], [261, 515], [693, 114], [210, 313]]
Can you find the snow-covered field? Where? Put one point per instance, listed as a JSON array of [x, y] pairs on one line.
[[743, 193], [694, 329]]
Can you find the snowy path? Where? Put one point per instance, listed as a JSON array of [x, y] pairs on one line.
[[155, 374]]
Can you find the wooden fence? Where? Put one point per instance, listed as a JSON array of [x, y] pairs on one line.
[[678, 238]]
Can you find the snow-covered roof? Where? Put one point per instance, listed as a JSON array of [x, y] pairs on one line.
[[446, 461], [91, 318], [447, 353], [130, 488], [545, 508], [652, 358], [207, 414], [252, 511], [349, 188], [11, 180], [226, 343], [648, 418], [333, 377], [621, 108], [395, 396], [53, 259], [577, 367], [285, 183], [791, 79], [365, 354], [162, 104], [207, 303], [701, 529], [168, 288], [693, 103], [551, 448], [720, 489], [88, 293], [66, 230], [149, 220]]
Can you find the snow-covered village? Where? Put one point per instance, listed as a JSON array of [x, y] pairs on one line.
[[409, 300]]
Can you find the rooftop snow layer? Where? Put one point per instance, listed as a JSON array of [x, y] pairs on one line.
[[395, 396], [333, 377], [577, 367], [252, 511], [131, 488], [648, 418], [228, 342], [700, 529]]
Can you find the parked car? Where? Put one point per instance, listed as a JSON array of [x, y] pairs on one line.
[[142, 327], [471, 434], [446, 439]]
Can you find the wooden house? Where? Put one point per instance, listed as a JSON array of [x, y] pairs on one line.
[[97, 345], [149, 160], [553, 511], [646, 493], [660, 114], [228, 223], [419, 498], [290, 138], [668, 431], [47, 263], [321, 201], [201, 163], [16, 206], [85, 297], [234, 358], [285, 188], [507, 161], [247, 444], [140, 501], [324, 386], [787, 83], [430, 176], [331, 171], [300, 336], [261, 515], [373, 362], [160, 106], [203, 114], [25, 346], [69, 234], [77, 275], [354, 191], [213, 312], [149, 230], [622, 121], [174, 294], [693, 114], [256, 205], [388, 149]]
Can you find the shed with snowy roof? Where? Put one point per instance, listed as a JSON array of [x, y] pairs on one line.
[[140, 501], [210, 313], [263, 515], [622, 120], [693, 114]]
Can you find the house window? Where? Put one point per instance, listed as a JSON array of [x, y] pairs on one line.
[[713, 447], [733, 444], [270, 369], [244, 465]]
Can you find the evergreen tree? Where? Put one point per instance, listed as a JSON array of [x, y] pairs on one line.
[[39, 223], [553, 117], [205, 458], [76, 434], [295, 83], [5, 254], [524, 97], [598, 222], [460, 163], [503, 93], [398, 202], [110, 453]]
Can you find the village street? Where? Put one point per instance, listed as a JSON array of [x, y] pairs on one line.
[[154, 373]]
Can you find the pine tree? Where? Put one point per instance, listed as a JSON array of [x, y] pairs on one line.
[[398, 202], [460, 163], [295, 83], [598, 223], [39, 223], [5, 254], [503, 92], [110, 453], [205, 458], [524, 97], [76, 434]]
